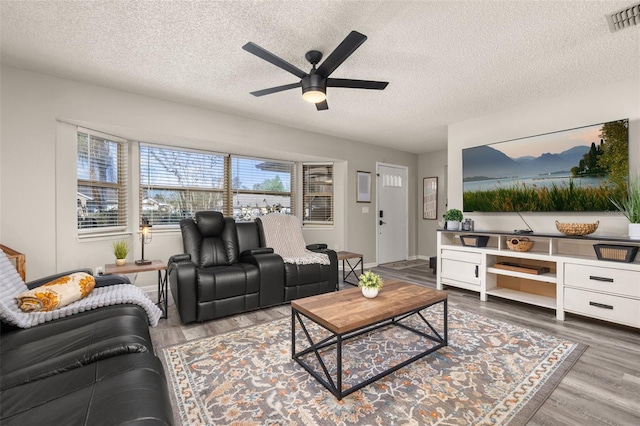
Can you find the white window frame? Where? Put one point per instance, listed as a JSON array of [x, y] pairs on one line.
[[316, 223], [123, 164]]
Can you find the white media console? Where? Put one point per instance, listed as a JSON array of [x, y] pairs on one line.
[[561, 273]]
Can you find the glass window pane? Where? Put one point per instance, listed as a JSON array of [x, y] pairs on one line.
[[259, 187], [317, 193], [176, 183], [102, 187]]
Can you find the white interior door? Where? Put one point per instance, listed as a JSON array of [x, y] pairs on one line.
[[392, 213]]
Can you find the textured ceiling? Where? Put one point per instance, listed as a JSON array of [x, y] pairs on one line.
[[446, 61]]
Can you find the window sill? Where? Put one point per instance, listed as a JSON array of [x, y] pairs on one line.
[[101, 236], [317, 226]]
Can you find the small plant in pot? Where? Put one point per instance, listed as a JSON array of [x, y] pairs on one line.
[[120, 251], [630, 207], [370, 283], [453, 217]]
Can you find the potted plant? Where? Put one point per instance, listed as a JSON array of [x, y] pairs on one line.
[[370, 283], [453, 217], [120, 251], [630, 207]]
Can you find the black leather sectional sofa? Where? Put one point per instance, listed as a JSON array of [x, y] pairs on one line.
[[93, 368], [226, 269]]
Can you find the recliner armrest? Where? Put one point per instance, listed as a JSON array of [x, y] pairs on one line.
[[313, 247], [177, 258], [183, 282], [261, 250], [113, 279]]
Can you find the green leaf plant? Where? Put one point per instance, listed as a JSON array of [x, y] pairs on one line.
[[630, 206]]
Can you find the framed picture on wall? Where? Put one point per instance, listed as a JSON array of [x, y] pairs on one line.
[[430, 198], [363, 187]]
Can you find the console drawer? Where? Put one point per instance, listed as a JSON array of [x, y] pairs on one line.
[[611, 280], [603, 306], [463, 256]]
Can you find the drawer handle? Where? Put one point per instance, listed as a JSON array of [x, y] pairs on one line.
[[600, 305], [477, 271], [596, 278]]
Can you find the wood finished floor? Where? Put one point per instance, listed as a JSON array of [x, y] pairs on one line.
[[602, 388]]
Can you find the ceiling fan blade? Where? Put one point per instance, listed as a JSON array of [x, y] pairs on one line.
[[356, 84], [270, 57], [341, 53], [275, 89], [321, 106]]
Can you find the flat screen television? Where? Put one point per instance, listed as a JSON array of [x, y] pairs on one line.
[[572, 170]]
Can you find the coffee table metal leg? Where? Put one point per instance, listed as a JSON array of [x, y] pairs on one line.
[[314, 347], [338, 392]]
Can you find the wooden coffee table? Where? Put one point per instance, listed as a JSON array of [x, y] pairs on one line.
[[347, 314]]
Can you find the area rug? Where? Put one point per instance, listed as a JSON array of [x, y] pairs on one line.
[[492, 373]]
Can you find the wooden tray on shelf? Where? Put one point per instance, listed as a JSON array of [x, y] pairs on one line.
[[517, 267]]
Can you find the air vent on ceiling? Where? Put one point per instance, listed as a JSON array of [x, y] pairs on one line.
[[624, 18]]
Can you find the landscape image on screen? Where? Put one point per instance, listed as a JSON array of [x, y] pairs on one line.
[[573, 170]]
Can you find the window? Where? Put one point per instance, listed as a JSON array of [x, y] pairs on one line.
[[260, 186], [175, 183], [102, 181], [317, 194]]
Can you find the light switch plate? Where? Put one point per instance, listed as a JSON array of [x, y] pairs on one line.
[[365, 210]]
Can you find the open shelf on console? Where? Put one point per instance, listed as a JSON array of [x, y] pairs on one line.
[[547, 277], [520, 296]]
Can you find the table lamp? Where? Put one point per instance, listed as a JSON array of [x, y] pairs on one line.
[[145, 238]]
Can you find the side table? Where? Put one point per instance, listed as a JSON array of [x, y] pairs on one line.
[[345, 256], [155, 265]]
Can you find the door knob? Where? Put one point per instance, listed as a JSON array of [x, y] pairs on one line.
[[383, 223]]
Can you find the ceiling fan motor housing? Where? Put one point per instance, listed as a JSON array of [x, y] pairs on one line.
[[314, 82]]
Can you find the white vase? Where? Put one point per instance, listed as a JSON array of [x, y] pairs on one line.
[[453, 225], [634, 231], [121, 262], [369, 292]]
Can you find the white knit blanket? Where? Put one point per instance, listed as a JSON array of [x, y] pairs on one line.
[[283, 233], [11, 285]]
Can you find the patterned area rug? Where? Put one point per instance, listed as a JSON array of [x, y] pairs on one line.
[[492, 373]]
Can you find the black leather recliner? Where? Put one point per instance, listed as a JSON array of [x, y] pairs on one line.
[[211, 280], [227, 270], [307, 280]]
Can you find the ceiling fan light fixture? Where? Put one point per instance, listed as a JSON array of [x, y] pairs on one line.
[[314, 95], [314, 88]]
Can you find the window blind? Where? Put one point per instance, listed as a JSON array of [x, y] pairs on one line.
[[176, 183], [260, 186], [101, 195], [317, 193]]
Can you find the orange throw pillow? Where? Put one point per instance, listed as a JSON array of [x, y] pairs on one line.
[[57, 293]]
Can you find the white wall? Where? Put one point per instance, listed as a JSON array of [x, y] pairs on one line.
[[589, 106], [37, 158]]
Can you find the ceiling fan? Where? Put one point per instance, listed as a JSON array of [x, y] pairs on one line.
[[314, 83]]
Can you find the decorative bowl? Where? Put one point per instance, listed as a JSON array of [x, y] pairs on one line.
[[519, 244], [577, 229]]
